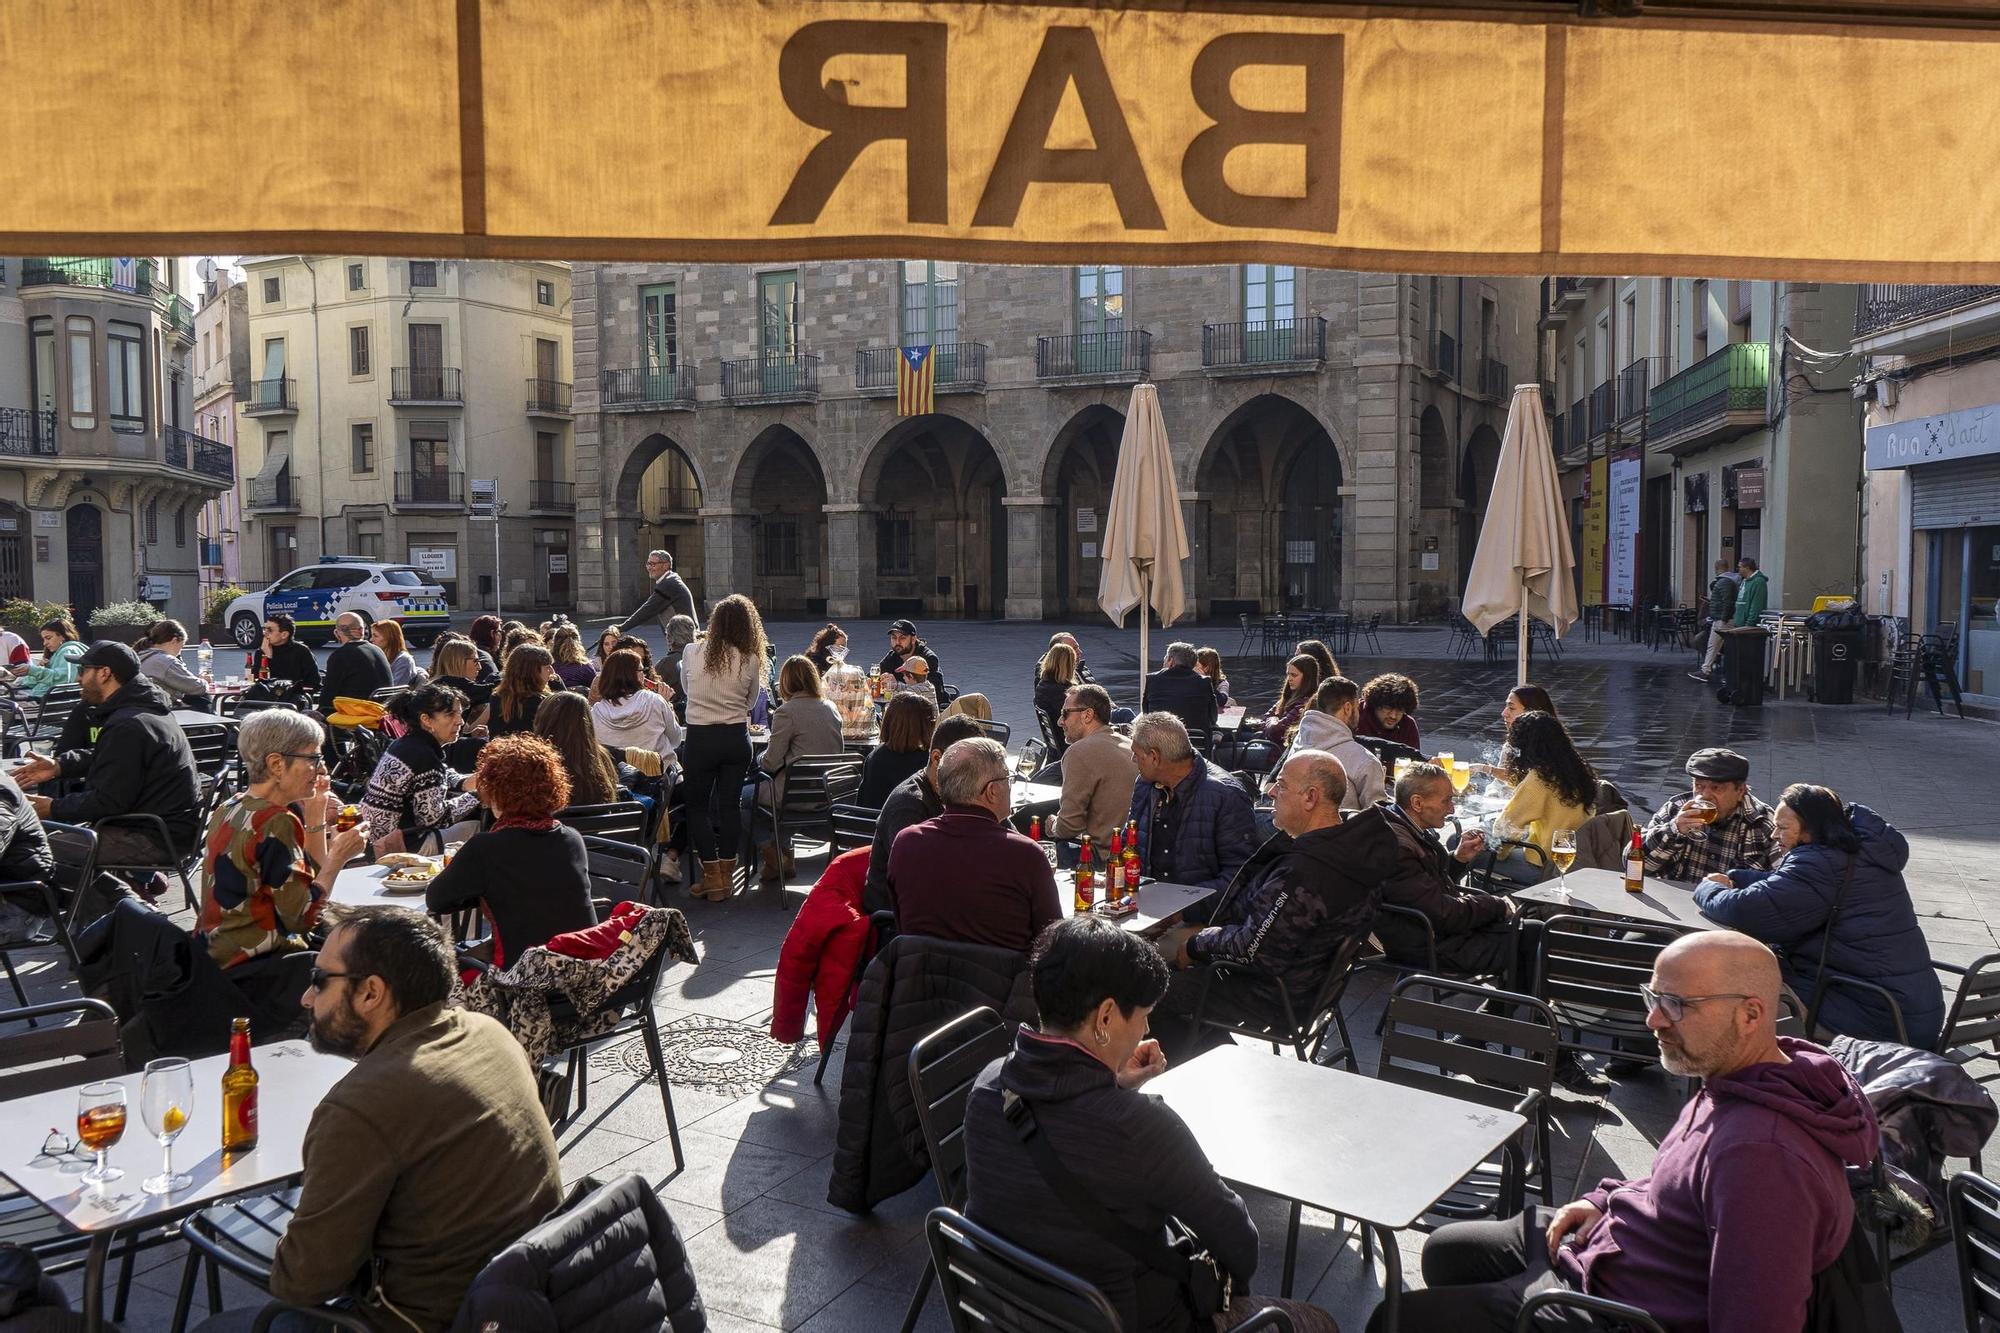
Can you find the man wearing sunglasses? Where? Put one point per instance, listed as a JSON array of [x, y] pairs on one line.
[[1747, 1199], [1097, 768]]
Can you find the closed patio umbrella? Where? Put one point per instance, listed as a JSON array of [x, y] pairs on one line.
[[1144, 538], [1524, 565]]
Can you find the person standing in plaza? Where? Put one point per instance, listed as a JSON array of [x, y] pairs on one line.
[[670, 596], [722, 673], [1721, 613]]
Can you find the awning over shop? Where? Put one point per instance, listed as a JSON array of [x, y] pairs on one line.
[[1834, 141]]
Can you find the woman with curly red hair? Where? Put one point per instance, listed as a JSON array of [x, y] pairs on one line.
[[529, 875]]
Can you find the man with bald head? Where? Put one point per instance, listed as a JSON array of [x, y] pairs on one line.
[[1310, 891], [1747, 1198], [355, 668]]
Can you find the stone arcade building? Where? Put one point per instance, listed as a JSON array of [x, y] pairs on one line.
[[1334, 433]]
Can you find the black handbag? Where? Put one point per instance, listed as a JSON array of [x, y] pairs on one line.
[[1203, 1284]]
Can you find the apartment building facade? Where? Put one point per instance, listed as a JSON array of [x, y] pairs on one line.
[[383, 393], [1697, 421], [221, 358], [1330, 431], [102, 471]]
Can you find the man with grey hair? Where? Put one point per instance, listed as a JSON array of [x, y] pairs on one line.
[[965, 875], [355, 668], [1179, 689], [1197, 824], [670, 596], [1473, 931], [1301, 904]]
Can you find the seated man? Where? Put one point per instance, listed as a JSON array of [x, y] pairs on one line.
[[965, 875], [1176, 688], [911, 801], [1312, 889], [905, 648], [1328, 724], [1747, 1198], [1474, 930], [284, 657], [430, 1156], [1097, 768], [355, 668], [138, 763], [1742, 836], [1196, 823]]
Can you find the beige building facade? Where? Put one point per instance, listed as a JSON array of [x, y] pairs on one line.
[[382, 393]]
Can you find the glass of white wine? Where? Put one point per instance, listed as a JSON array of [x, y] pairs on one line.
[[1562, 849], [166, 1097]]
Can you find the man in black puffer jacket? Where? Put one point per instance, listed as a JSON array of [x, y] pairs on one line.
[[1298, 906], [137, 761]]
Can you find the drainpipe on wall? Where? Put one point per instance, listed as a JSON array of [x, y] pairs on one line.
[[319, 414]]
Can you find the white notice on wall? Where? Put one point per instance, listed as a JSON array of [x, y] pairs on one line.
[[1086, 520], [1430, 561], [1090, 550], [440, 562], [559, 563]]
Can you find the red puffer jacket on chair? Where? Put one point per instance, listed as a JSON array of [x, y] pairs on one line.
[[829, 937]]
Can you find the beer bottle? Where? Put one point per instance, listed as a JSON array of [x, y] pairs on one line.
[[1114, 872], [1635, 864], [1132, 857], [239, 1092], [1086, 879], [1035, 829]]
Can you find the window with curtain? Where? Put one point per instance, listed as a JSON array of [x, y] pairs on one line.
[[778, 314], [82, 374], [357, 350], [42, 363], [1100, 300], [659, 328], [1268, 293]]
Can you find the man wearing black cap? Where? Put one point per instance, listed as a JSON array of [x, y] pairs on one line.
[[903, 645], [134, 760], [1741, 837]]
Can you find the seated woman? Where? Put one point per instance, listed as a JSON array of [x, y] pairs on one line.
[[1388, 710], [607, 644], [61, 651], [159, 650], [1053, 681], [413, 795], [455, 663], [526, 680], [1208, 662], [1078, 1078], [267, 862], [820, 651], [1526, 699], [1274, 729], [403, 669], [905, 749], [564, 721], [1554, 792], [528, 874], [802, 724], [1844, 864], [627, 714], [575, 670], [1319, 653]]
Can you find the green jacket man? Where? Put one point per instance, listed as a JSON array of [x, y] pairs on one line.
[[1750, 600]]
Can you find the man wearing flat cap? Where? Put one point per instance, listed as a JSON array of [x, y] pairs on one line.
[[1742, 836]]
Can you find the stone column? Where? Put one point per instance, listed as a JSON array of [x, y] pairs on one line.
[[1032, 523], [726, 555], [850, 558], [1194, 569]]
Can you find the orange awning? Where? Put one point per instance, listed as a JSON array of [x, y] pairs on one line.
[[1833, 140]]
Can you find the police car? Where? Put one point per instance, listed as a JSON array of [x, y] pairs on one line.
[[314, 595]]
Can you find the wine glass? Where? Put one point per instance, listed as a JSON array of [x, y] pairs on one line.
[[1562, 849], [100, 1122], [166, 1098], [1703, 811]]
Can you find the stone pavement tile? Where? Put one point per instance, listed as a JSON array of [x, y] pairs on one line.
[[585, 1150], [904, 1213], [632, 1107], [901, 1266], [721, 1173], [721, 1321], [868, 1309], [780, 1263], [784, 1114]]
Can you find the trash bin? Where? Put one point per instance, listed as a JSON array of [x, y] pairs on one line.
[[1743, 666], [1836, 662]]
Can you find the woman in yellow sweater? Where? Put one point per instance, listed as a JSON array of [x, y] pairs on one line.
[[1554, 789]]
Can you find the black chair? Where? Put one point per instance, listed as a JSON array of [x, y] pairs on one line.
[[240, 1237], [75, 850], [635, 1006], [619, 871], [1612, 1316], [34, 900], [1382, 962], [1972, 1024], [1034, 754], [993, 1286], [853, 826], [814, 785], [174, 861], [1974, 1205], [215, 759], [625, 821], [1370, 630], [1505, 1060], [1203, 741], [1249, 633], [1589, 969], [942, 1066], [995, 731], [52, 713], [1306, 1032]]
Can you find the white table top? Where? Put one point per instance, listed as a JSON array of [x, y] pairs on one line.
[[1602, 893], [1231, 718], [194, 717], [292, 1080], [1325, 1137], [1159, 902], [1031, 793], [362, 886]]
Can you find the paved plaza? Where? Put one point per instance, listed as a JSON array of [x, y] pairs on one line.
[[770, 1252]]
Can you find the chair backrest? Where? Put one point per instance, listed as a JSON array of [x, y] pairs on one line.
[[998, 731], [1974, 1202], [853, 826], [609, 1257], [57, 705], [75, 851], [1974, 1020], [389, 693], [814, 783], [992, 1286], [1506, 1057], [1589, 970], [622, 820], [214, 747], [942, 1067], [40, 1059], [1611, 1316], [618, 870]]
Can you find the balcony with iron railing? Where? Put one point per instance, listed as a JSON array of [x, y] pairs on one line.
[[1577, 422], [1559, 435], [678, 504], [1896, 316], [1494, 380], [1635, 384], [1720, 397], [1562, 295], [272, 397], [425, 386], [271, 493], [549, 398], [551, 497], [27, 433], [1603, 408], [955, 368], [1441, 355], [430, 490], [1110, 355], [198, 454], [1264, 347], [670, 388], [782, 378], [142, 279]]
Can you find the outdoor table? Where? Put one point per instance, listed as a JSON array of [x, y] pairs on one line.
[[1602, 893], [364, 886], [1317, 1137], [1032, 793], [194, 717], [293, 1078], [1160, 903], [1230, 720]]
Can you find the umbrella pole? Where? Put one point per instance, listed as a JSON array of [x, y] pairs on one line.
[[1521, 651], [1145, 624]]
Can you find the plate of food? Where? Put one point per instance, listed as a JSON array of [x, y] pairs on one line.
[[408, 872]]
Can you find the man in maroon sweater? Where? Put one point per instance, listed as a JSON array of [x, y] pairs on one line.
[[965, 875], [1747, 1198]]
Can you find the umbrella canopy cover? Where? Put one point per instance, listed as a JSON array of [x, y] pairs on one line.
[[1524, 561], [1144, 537]]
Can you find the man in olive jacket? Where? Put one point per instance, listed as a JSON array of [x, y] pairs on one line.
[[1472, 929]]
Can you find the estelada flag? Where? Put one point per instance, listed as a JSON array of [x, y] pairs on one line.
[[915, 377]]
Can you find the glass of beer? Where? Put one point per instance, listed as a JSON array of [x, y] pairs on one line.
[[1562, 850], [1702, 811], [349, 817], [100, 1122], [1461, 775]]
